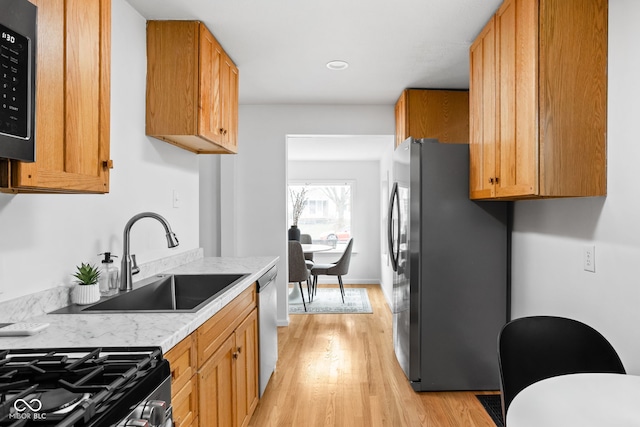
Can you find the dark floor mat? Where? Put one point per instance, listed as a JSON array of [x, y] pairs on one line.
[[493, 406]]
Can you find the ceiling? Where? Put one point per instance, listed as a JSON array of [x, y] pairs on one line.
[[281, 47]]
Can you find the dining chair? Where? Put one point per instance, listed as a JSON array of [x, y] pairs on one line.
[[338, 268], [298, 270], [533, 348], [306, 239]]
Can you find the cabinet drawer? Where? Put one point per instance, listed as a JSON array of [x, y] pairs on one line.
[[185, 404], [216, 330], [182, 359]]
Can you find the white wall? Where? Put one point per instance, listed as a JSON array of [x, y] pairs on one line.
[[365, 218], [253, 200], [549, 236], [43, 237]]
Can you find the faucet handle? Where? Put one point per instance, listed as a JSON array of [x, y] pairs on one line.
[[134, 265]]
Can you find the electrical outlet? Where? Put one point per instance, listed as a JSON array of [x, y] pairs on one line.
[[589, 258]]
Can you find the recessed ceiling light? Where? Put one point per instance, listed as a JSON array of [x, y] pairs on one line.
[[337, 65]]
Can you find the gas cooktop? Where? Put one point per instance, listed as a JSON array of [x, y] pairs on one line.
[[80, 387]]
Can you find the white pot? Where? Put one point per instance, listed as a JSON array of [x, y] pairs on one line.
[[86, 294]]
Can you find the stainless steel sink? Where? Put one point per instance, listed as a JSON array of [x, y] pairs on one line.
[[164, 293]]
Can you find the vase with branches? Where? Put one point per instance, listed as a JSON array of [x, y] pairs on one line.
[[298, 202]]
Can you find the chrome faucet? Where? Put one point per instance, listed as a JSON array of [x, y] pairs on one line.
[[129, 267]]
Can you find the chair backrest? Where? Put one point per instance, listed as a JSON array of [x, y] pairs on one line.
[[342, 265], [306, 239], [531, 349], [298, 271]]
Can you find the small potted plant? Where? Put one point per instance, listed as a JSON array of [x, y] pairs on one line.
[[86, 290]]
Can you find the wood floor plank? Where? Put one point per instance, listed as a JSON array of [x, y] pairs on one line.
[[339, 370]]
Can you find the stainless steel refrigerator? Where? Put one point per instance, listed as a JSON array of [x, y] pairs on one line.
[[450, 257]]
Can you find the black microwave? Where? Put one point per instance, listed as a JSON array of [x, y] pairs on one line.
[[18, 26]]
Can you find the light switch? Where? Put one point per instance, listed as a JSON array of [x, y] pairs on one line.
[[177, 202]]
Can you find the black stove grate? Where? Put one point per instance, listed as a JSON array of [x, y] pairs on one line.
[[80, 387]]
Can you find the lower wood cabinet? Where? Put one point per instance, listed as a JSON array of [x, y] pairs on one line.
[[215, 370], [228, 380], [246, 369], [185, 404], [184, 382]]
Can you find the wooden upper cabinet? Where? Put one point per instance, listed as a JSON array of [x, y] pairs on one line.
[[427, 113], [538, 101], [72, 101], [482, 144], [192, 88], [401, 118]]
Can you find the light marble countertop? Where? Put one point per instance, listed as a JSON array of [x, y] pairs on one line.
[[142, 329]]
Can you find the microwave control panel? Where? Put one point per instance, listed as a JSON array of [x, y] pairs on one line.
[[14, 84]]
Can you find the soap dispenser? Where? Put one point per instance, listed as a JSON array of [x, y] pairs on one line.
[[108, 280]]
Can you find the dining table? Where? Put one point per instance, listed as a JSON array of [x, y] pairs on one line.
[[295, 297], [580, 400], [309, 248]]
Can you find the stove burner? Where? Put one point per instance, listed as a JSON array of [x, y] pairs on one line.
[[79, 387], [57, 399]]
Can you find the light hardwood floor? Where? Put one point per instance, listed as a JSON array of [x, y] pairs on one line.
[[340, 370]]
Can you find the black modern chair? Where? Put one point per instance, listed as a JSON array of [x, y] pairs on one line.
[[298, 270], [531, 349], [338, 268]]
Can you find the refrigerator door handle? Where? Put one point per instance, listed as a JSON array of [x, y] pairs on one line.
[[394, 252]]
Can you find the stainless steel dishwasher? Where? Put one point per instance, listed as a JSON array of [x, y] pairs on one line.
[[267, 326]]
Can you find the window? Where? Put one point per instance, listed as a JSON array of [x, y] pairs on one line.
[[324, 210]]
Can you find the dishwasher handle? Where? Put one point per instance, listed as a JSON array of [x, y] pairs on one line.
[[267, 278]]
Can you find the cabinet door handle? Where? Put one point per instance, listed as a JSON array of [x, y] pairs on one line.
[[239, 350], [235, 354], [490, 180], [497, 179]]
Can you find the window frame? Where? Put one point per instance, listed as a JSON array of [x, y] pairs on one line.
[[326, 182]]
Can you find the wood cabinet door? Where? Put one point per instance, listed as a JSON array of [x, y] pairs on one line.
[[439, 114], [210, 111], [246, 336], [218, 104], [184, 390], [482, 105], [401, 118], [229, 120], [185, 404], [517, 77], [573, 97], [216, 387], [73, 100]]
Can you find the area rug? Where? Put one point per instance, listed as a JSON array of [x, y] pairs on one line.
[[328, 301], [493, 406]]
